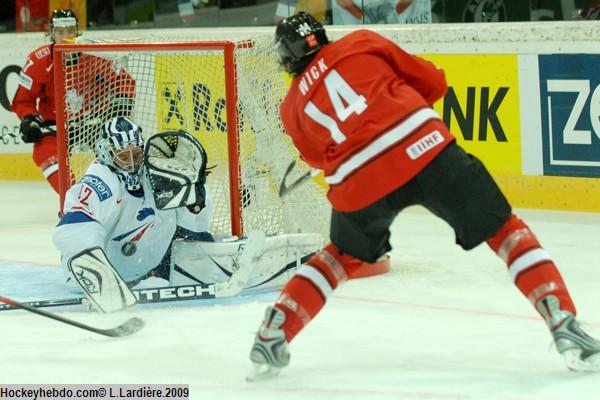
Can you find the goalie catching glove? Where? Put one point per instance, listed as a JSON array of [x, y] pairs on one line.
[[176, 165]]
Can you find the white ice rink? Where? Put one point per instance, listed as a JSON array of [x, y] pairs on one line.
[[443, 324]]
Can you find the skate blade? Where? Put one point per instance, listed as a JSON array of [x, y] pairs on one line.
[[262, 372], [576, 364]]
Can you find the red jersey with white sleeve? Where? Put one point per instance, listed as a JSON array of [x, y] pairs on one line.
[[361, 112], [97, 80], [36, 82], [35, 96]]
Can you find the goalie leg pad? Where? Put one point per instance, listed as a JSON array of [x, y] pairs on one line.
[[100, 282], [196, 262]]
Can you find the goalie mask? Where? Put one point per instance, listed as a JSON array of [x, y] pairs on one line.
[[175, 163], [121, 148]]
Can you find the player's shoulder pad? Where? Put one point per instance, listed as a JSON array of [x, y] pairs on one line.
[[101, 180]]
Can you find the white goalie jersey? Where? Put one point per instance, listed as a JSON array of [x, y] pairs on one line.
[[135, 235]]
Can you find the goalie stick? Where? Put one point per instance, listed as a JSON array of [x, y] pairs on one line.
[[127, 328], [153, 295], [249, 258], [285, 189]]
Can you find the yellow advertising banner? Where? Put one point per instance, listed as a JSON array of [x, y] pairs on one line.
[[481, 107], [191, 96]]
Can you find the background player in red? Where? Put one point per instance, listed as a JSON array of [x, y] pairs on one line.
[[34, 99], [360, 110]]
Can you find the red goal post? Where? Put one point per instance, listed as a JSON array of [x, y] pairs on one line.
[[225, 93]]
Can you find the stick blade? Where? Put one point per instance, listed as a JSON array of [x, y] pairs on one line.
[[283, 189], [127, 328]]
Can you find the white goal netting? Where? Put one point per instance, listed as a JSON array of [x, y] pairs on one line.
[[187, 85]]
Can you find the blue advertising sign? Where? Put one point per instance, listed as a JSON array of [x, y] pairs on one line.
[[570, 112]]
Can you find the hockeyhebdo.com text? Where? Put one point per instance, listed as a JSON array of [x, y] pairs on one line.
[[92, 392]]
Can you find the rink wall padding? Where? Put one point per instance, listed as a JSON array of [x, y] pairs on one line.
[[523, 97]]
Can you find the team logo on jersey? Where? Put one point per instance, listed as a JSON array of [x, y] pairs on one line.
[[129, 248], [98, 185], [145, 213]]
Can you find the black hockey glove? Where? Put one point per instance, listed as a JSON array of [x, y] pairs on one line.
[[31, 128]]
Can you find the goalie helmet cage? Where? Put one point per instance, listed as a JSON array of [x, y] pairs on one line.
[[225, 93]]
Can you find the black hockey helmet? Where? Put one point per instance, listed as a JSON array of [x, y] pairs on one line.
[[299, 38], [62, 18]]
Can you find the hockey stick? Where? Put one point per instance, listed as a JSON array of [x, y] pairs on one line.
[[48, 130], [252, 251], [154, 295], [127, 328], [285, 189], [144, 296]]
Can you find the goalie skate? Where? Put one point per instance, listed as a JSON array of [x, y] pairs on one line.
[[580, 351], [270, 351]]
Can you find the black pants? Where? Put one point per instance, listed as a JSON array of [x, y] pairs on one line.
[[455, 186]]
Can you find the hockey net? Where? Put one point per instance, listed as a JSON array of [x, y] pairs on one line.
[[225, 93]]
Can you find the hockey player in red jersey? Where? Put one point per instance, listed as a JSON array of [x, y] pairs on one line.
[[360, 109], [34, 99]]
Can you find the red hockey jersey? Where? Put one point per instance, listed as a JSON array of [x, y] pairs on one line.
[[92, 83], [36, 82], [361, 112]]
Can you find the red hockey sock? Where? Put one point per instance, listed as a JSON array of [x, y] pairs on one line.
[[45, 157], [532, 269], [306, 293]]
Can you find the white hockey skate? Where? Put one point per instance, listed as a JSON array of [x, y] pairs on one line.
[[270, 352], [580, 351]]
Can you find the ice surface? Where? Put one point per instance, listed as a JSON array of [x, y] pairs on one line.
[[443, 324]]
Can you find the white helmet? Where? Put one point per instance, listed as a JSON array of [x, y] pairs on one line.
[[121, 148]]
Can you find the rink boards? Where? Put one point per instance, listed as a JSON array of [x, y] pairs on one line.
[[522, 97]]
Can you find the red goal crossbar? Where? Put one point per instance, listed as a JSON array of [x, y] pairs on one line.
[[231, 97]]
